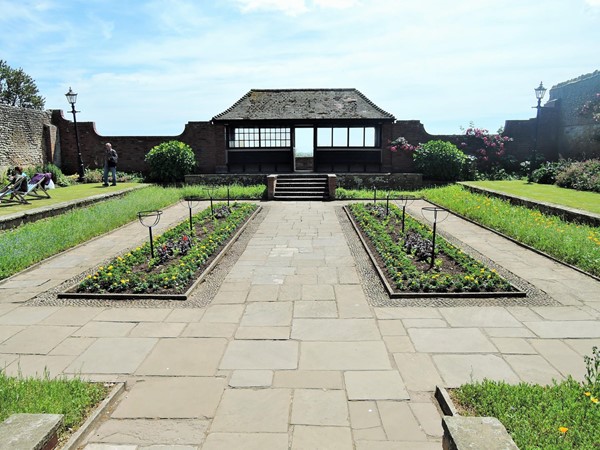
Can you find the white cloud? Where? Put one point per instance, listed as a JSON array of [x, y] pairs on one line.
[[593, 2], [289, 7]]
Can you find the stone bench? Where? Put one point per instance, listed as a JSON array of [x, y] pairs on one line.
[[30, 431]]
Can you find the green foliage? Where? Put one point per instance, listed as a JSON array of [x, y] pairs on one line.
[[236, 191], [95, 176], [58, 177], [559, 416], [580, 175], [400, 259], [548, 171], [33, 242], [170, 161], [178, 257], [440, 160], [71, 397], [572, 243], [18, 89]]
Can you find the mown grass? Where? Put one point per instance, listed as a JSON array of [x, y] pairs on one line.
[[587, 201], [369, 194], [236, 192], [33, 242], [64, 194], [572, 243], [71, 397]]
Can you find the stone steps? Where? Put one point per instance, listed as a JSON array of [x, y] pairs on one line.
[[301, 187]]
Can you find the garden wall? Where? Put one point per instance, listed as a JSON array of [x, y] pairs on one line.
[[564, 130], [27, 138]]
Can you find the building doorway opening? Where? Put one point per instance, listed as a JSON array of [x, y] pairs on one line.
[[304, 150]]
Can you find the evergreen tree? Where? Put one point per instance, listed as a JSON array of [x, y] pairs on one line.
[[18, 89]]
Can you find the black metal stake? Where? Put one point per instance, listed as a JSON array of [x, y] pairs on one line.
[[433, 246], [403, 216], [151, 243], [374, 195], [387, 204], [191, 226], [227, 195]]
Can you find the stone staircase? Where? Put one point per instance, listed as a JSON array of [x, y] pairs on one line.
[[301, 187]]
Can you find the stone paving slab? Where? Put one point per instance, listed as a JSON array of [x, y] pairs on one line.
[[260, 355], [148, 432], [171, 398], [252, 411]]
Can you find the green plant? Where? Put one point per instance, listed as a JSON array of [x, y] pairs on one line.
[[440, 160], [170, 161], [569, 242], [180, 253], [95, 176], [405, 255], [32, 242], [71, 397], [581, 175], [548, 171], [592, 376]]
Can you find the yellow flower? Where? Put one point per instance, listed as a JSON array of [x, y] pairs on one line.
[[109, 274], [110, 267], [563, 430], [594, 400], [89, 276], [588, 394]]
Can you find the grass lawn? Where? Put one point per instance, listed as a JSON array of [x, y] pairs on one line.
[[73, 398], [587, 201], [64, 194]]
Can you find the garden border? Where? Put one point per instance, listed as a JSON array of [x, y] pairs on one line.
[[518, 293], [180, 297]]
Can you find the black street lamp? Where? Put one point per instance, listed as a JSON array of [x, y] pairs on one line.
[[540, 91], [72, 98]]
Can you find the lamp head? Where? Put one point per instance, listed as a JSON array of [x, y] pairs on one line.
[[540, 91], [71, 96]]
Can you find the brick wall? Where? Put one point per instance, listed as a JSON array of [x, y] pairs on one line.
[[206, 140], [27, 137]]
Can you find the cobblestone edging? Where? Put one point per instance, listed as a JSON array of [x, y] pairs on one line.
[[199, 298], [377, 295]]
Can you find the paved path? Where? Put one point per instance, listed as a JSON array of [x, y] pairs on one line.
[[290, 353]]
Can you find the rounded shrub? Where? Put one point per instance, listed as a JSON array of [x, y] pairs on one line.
[[170, 161], [440, 160]]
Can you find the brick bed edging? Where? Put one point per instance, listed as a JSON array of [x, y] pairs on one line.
[[470, 432]]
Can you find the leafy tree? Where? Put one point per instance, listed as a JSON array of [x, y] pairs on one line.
[[18, 89]]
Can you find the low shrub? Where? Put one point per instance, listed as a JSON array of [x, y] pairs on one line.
[[440, 160], [548, 171], [170, 161], [580, 175], [95, 176]]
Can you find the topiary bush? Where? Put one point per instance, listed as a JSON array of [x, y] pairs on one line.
[[440, 160], [170, 161]]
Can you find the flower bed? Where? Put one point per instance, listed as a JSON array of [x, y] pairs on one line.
[[404, 259], [180, 256]]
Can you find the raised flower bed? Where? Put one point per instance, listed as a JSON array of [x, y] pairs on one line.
[[181, 256], [403, 260]]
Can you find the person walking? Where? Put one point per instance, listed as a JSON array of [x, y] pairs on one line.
[[110, 163]]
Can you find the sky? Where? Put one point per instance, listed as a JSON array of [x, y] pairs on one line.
[[149, 67]]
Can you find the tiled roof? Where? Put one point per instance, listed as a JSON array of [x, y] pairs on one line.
[[302, 104]]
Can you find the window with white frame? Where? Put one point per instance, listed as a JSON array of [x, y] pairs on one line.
[[277, 137]]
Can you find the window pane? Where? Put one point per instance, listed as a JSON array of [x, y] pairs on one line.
[[370, 137], [356, 137], [340, 137], [324, 137]]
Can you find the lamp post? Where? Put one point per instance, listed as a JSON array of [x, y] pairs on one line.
[[72, 98], [540, 91]]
